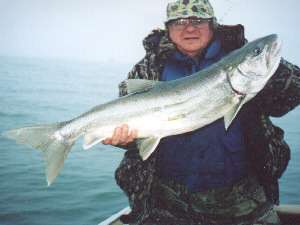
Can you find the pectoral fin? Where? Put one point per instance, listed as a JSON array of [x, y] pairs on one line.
[[91, 139], [229, 117], [147, 146]]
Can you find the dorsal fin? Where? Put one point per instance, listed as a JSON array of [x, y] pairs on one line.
[[139, 85]]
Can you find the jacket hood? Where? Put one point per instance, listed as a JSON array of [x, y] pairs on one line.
[[159, 43]]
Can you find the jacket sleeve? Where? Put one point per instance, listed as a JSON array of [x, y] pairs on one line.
[[282, 93], [134, 175], [135, 73]]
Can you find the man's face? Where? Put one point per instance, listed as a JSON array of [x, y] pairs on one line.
[[190, 35]]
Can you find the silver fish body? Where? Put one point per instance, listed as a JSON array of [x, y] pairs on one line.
[[159, 109]]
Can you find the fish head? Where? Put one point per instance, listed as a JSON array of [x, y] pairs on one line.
[[254, 65]]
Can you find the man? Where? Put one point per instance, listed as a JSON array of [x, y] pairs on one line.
[[208, 176]]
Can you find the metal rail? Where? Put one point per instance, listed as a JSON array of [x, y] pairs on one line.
[[289, 215]]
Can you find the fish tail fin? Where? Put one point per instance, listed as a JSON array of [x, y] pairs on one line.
[[44, 137]]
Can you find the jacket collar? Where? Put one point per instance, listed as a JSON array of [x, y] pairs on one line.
[[210, 53]]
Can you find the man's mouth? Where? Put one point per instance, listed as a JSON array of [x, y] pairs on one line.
[[191, 38]]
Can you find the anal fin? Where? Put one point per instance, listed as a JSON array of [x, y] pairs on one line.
[[91, 139]]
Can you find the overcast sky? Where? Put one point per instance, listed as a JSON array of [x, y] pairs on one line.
[[112, 31]]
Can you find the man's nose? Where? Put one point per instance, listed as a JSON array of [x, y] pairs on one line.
[[190, 27]]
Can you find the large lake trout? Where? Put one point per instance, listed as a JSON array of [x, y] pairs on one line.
[[159, 109]]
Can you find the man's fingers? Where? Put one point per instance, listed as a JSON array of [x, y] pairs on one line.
[[132, 136], [116, 136], [107, 141], [121, 136], [124, 134]]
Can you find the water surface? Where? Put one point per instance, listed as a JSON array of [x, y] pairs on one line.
[[85, 193]]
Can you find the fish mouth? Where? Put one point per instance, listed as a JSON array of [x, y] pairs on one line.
[[274, 46], [277, 47], [273, 58]]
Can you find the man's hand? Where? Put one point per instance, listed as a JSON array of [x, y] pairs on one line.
[[121, 136]]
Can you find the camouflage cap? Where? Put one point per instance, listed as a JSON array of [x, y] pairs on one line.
[[190, 8]]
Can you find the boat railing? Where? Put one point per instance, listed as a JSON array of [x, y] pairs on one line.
[[289, 215]]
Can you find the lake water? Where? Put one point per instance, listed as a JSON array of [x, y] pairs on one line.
[[85, 193]]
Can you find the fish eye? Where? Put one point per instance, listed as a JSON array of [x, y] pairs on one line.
[[257, 51]]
